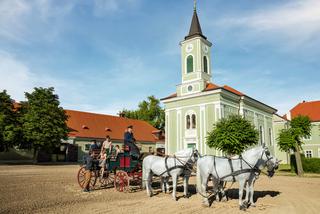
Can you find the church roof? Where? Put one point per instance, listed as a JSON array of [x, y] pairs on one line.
[[211, 87], [195, 28], [310, 109]]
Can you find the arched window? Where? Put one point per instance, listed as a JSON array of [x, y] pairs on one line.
[[261, 134], [270, 136], [190, 64], [188, 122], [205, 64], [193, 121]]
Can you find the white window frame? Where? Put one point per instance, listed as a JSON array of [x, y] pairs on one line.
[[311, 153], [307, 139]]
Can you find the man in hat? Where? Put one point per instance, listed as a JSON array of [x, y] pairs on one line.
[[130, 142], [90, 160]]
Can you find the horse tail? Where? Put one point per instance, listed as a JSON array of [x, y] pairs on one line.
[[199, 178]]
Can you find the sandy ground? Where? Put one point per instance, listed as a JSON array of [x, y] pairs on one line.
[[53, 189]]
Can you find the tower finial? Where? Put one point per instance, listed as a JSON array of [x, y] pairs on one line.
[[194, 5]]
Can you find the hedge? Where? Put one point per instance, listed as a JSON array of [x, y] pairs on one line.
[[308, 164]]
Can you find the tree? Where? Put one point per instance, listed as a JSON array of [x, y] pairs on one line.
[[232, 135], [8, 122], [149, 110], [290, 139], [44, 121]]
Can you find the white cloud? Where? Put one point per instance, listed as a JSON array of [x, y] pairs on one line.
[[295, 22], [105, 7], [17, 78], [31, 20]]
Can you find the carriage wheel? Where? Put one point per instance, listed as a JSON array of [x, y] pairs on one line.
[[121, 181], [107, 178], [81, 178]]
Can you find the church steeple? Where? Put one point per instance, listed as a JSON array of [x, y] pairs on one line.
[[195, 28], [195, 59]]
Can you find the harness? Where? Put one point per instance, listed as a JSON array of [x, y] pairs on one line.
[[251, 169], [185, 166]]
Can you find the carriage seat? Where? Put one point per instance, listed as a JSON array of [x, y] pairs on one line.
[[125, 148]]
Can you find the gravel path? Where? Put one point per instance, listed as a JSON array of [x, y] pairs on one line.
[[53, 189]]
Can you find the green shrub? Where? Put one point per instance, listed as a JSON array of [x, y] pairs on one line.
[[309, 164]]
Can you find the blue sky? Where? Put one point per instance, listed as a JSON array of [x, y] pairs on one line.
[[106, 55]]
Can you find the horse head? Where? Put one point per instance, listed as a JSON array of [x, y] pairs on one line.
[[271, 163]]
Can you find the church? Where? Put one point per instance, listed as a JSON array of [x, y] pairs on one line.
[[198, 103]]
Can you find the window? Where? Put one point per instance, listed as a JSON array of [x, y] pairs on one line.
[[306, 138], [190, 64], [193, 121], [191, 145], [261, 134], [205, 64], [270, 136], [308, 153], [188, 121], [87, 147]]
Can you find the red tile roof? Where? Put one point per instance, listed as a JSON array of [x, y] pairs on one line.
[[91, 125], [211, 87], [311, 109]]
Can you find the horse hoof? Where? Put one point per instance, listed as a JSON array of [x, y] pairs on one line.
[[243, 207], [187, 196], [224, 200], [205, 205], [253, 205]]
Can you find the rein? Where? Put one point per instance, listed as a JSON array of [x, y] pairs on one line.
[[184, 165]]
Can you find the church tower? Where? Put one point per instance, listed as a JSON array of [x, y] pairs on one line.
[[195, 59]]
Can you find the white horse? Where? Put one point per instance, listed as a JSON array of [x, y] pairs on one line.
[[223, 169], [272, 165], [171, 166]]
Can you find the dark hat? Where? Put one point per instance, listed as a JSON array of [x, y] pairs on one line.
[[130, 127]]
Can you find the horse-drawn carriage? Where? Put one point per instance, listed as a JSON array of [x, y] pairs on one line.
[[122, 171]]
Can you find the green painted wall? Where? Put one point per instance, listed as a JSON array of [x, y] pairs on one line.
[[313, 143]]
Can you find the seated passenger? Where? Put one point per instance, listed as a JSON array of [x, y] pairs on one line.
[[130, 142], [117, 150]]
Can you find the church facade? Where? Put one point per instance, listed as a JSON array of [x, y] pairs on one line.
[[198, 103]]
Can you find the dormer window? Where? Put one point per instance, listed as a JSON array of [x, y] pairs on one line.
[[189, 64]]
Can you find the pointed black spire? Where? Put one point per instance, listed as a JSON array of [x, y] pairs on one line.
[[195, 28]]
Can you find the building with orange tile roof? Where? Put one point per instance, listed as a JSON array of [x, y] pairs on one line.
[[86, 127], [311, 146]]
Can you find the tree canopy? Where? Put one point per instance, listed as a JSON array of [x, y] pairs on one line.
[[44, 121], [148, 110], [300, 127], [232, 135], [8, 122], [291, 139]]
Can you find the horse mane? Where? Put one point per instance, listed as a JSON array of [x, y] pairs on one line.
[[252, 151]]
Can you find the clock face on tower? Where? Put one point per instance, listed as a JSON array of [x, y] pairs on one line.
[[189, 48], [205, 48]]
